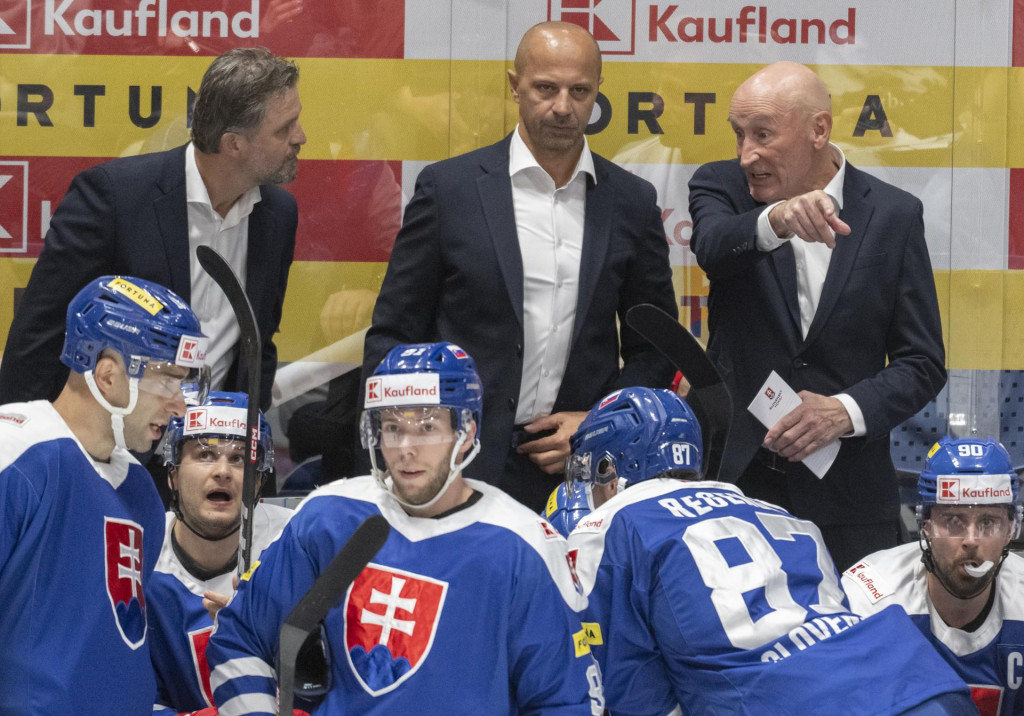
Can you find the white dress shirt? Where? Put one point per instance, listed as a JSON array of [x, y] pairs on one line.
[[812, 260], [549, 224], [228, 236]]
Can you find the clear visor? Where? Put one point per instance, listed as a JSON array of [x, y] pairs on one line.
[[168, 380], [209, 451], [412, 426], [963, 521], [580, 467]]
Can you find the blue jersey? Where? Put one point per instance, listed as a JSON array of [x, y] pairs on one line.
[[180, 626], [472, 613], [990, 658], [704, 598], [78, 543]]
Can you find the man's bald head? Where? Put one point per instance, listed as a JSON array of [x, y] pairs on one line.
[[789, 86], [556, 36], [782, 117]]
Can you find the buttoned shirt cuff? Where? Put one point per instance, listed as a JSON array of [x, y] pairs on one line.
[[767, 239], [856, 416]]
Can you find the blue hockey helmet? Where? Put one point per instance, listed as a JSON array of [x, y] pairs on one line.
[[423, 376], [222, 416], [635, 434], [567, 505], [968, 471], [141, 320]]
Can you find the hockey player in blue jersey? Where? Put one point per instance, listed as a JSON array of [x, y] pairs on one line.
[[81, 522], [205, 453], [960, 584], [705, 601], [467, 608]]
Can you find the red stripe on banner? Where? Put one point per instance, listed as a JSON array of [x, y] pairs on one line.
[[348, 210], [1015, 253], [292, 28], [1018, 33]]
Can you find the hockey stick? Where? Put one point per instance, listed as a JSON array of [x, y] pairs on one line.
[[684, 352], [249, 338], [325, 593]]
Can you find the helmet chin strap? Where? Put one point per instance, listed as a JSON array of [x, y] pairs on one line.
[[453, 471], [117, 415], [929, 564]]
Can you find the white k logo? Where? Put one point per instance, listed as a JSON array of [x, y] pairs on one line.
[[4, 178]]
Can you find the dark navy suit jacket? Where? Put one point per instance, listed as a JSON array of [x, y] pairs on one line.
[[876, 335], [456, 274], [129, 216]]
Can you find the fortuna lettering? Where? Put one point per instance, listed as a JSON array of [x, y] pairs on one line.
[[183, 23], [408, 391]]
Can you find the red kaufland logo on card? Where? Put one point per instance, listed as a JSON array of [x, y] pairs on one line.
[[611, 22], [123, 563], [391, 618], [15, 25], [769, 393], [13, 207]]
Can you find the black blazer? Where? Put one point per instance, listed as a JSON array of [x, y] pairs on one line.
[[876, 335], [129, 216], [456, 274]]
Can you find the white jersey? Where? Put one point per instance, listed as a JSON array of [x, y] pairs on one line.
[[990, 658], [181, 626]]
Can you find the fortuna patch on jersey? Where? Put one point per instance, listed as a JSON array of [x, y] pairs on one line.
[[391, 617], [122, 546], [868, 580]]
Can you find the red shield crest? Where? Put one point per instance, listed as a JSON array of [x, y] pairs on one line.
[[390, 620], [122, 546]]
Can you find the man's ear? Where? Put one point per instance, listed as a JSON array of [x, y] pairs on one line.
[[111, 379], [172, 472], [513, 83], [470, 437], [821, 128]]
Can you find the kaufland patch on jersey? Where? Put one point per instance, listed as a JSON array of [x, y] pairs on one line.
[[973, 489], [384, 391], [122, 540], [869, 582], [391, 619]]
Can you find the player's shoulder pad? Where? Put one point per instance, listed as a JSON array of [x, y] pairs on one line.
[[883, 578], [500, 510], [23, 425]]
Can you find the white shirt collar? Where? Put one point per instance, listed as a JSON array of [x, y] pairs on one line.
[[835, 187], [520, 158], [196, 193]]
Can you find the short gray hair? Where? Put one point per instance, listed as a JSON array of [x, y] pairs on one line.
[[234, 92]]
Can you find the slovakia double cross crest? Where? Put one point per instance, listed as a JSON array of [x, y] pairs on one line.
[[122, 546], [391, 619]]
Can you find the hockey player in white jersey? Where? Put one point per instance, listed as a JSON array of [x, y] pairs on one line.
[[205, 453], [705, 601], [468, 606], [81, 522], [960, 584]]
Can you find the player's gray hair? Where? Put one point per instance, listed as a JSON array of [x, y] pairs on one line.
[[234, 92]]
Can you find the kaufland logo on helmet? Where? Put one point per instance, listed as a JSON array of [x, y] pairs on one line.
[[195, 420], [150, 18], [973, 489], [191, 352], [222, 420], [611, 22], [403, 389]]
